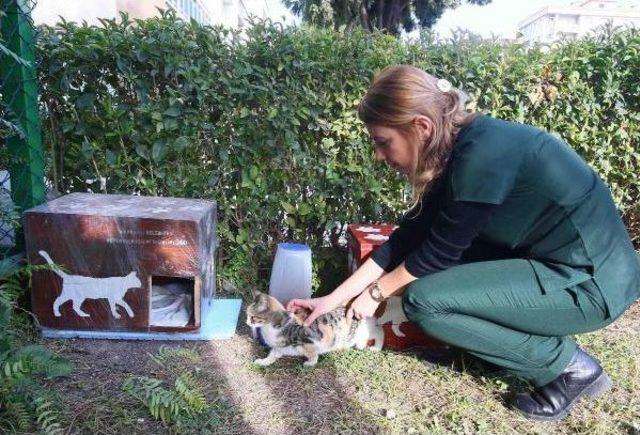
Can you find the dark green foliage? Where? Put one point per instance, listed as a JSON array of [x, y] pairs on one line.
[[266, 123], [8, 124], [24, 402]]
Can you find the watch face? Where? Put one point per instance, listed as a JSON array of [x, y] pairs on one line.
[[376, 293]]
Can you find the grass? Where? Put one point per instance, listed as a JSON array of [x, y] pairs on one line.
[[347, 392]]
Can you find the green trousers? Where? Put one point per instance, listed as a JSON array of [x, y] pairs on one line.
[[497, 311]]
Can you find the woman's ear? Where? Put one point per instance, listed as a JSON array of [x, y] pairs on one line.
[[424, 126]]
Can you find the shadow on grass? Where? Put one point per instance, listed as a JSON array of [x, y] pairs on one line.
[[284, 397]]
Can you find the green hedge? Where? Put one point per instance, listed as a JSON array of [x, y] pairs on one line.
[[265, 122]]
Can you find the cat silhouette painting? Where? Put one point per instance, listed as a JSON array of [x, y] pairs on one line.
[[78, 288]]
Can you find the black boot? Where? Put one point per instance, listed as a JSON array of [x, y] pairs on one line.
[[583, 377]]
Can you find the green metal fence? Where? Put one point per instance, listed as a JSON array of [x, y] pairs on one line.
[[21, 157]]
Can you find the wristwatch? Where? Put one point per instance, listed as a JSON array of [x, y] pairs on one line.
[[376, 292]]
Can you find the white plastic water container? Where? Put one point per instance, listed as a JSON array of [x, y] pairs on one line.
[[291, 273]]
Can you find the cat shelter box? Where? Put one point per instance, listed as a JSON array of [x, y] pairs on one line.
[[399, 332], [363, 239], [124, 266]]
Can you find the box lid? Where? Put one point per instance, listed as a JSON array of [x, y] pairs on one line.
[[152, 207], [371, 234]]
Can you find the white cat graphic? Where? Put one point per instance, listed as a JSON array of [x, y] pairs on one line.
[[393, 313], [77, 288]]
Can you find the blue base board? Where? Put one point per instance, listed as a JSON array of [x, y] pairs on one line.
[[219, 320]]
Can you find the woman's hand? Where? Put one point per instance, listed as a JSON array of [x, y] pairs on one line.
[[363, 306], [318, 307]]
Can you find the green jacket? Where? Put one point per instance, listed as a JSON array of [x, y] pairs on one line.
[[552, 208]]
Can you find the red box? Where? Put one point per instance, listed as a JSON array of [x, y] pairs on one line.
[[399, 333], [363, 239]]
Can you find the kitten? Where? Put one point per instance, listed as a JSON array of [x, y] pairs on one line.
[[77, 288], [286, 335]]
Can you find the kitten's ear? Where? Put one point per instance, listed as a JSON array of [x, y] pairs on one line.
[[275, 305], [255, 294]]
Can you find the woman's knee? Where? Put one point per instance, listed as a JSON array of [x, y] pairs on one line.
[[418, 303]]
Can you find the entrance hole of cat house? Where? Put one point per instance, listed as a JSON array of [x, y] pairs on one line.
[[175, 303]]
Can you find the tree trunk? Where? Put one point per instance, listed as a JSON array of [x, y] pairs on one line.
[[393, 16], [380, 14], [365, 19]]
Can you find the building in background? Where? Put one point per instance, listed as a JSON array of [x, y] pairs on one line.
[[235, 13], [554, 23], [191, 9], [49, 11]]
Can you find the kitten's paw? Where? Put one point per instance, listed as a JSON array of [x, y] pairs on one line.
[[263, 362], [309, 363], [396, 330], [117, 316]]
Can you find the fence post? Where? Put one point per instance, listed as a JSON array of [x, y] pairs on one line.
[[20, 93]]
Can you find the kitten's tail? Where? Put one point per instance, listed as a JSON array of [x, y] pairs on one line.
[[56, 268]]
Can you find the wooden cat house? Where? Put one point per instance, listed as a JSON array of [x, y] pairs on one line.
[[113, 257]]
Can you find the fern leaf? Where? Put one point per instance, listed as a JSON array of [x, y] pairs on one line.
[[188, 390], [16, 411], [46, 416], [12, 370], [164, 404]]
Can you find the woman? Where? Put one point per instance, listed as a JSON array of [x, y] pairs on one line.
[[512, 243]]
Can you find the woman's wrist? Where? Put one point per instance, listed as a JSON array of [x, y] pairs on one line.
[[356, 283], [375, 292], [393, 283], [336, 298]]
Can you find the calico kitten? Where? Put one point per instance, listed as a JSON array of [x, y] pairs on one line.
[[285, 334]]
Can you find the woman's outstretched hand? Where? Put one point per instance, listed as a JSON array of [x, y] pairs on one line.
[[318, 307], [363, 306]]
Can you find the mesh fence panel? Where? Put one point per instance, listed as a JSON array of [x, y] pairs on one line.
[[21, 155]]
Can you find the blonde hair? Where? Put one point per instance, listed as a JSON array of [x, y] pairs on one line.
[[400, 93]]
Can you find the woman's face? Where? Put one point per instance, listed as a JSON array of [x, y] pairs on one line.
[[393, 148]]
